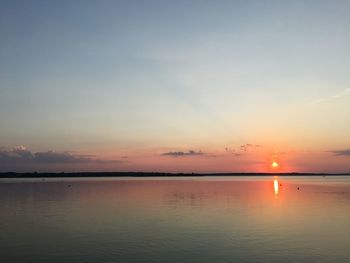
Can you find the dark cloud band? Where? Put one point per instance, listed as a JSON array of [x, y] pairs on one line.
[[21, 154], [345, 152], [183, 154]]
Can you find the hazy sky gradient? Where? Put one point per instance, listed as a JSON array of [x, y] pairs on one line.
[[128, 81]]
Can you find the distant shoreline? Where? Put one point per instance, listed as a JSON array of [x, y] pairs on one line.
[[153, 174]]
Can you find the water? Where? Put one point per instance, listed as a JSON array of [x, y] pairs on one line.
[[207, 219]]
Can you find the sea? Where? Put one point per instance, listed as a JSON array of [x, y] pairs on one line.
[[175, 219]]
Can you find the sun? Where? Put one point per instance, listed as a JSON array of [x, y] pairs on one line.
[[274, 165]]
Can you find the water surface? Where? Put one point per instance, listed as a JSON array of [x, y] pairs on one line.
[[206, 219]]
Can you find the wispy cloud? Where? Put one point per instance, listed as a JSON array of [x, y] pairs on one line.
[[21, 154], [183, 154], [242, 149], [343, 93], [248, 147], [345, 152]]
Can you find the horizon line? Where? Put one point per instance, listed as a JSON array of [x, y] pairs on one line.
[[157, 174]]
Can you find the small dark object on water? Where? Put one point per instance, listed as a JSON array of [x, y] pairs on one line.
[[298, 188]]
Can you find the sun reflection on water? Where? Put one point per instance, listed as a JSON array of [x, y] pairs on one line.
[[275, 185]]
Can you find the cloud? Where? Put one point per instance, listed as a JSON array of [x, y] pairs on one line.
[[66, 157], [341, 152], [22, 155], [343, 93], [19, 153], [279, 153], [249, 147], [244, 148], [183, 154], [22, 152]]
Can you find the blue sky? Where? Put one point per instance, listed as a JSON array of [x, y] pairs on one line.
[[140, 78]]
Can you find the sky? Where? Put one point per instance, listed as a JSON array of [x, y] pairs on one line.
[[175, 86]]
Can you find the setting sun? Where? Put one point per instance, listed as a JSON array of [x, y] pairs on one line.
[[274, 164]]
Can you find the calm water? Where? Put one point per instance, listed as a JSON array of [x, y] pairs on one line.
[[241, 219]]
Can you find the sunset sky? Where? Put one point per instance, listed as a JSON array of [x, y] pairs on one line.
[[175, 86]]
